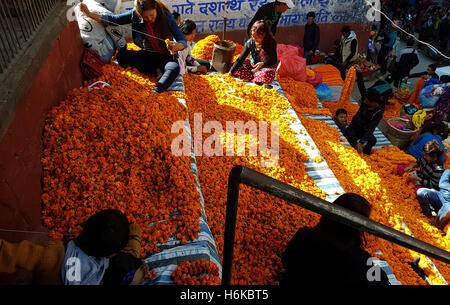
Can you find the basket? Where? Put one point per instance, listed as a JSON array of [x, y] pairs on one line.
[[222, 55], [399, 138]]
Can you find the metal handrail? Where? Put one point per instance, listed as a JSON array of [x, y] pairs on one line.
[[244, 175], [19, 20]]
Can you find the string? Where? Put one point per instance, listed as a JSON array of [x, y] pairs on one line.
[[423, 42], [32, 232]]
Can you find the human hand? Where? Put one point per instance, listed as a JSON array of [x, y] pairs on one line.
[[202, 69], [84, 9], [359, 147], [258, 66], [413, 176], [409, 168]]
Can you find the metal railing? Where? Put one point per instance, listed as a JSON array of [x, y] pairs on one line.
[[243, 175], [19, 20]]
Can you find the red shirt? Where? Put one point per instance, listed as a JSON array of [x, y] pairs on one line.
[[153, 41]]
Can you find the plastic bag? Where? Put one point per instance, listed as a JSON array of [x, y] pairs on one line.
[[286, 50], [430, 95], [292, 66], [324, 92], [316, 81]]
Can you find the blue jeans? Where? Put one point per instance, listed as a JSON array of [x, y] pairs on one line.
[[147, 63], [429, 198]]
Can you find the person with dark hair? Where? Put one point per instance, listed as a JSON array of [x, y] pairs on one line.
[[340, 118], [271, 13], [348, 53], [126, 267], [360, 131], [177, 17], [430, 167], [81, 261], [263, 49], [331, 253], [437, 200], [389, 38], [427, 75], [405, 61], [430, 131], [311, 38], [193, 65], [152, 24]]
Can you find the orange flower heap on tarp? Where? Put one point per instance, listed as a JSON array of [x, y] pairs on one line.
[[200, 272], [299, 94], [330, 75], [392, 198], [111, 148], [203, 49]]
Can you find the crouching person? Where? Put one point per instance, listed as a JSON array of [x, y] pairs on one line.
[[81, 261], [360, 131]]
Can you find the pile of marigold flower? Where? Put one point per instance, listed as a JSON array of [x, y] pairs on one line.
[[200, 272], [265, 224], [203, 49], [111, 148], [391, 196], [300, 94]]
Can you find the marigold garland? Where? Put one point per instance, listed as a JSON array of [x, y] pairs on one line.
[[347, 88]]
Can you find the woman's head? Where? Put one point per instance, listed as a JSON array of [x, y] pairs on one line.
[[435, 128], [262, 35], [150, 10], [188, 29], [259, 30], [432, 151], [347, 235], [177, 17]]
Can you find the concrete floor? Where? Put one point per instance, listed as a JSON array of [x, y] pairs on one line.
[[424, 61]]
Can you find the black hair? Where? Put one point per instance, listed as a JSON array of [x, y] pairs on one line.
[[341, 111], [345, 29], [433, 67], [311, 14], [187, 26], [355, 203], [373, 96], [444, 79], [104, 233], [121, 270], [439, 127], [176, 15]]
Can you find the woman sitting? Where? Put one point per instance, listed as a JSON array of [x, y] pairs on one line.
[[151, 23], [263, 49]]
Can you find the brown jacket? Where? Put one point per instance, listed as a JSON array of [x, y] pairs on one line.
[[45, 261]]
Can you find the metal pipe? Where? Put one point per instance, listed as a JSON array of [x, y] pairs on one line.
[[247, 176], [21, 22]]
